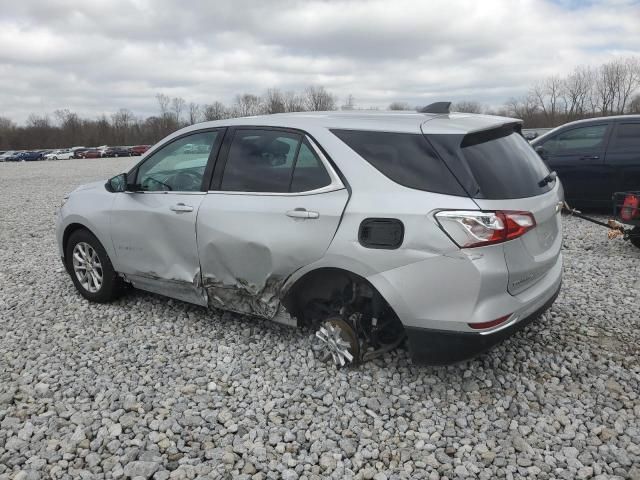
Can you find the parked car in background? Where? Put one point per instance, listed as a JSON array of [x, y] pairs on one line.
[[365, 226], [29, 156], [117, 152], [91, 153], [6, 156], [78, 152], [594, 158], [139, 149], [63, 154]]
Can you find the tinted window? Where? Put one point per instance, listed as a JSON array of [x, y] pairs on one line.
[[405, 158], [626, 137], [309, 173], [178, 166], [577, 139], [503, 165], [260, 161]]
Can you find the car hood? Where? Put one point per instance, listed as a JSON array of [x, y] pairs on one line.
[[91, 186]]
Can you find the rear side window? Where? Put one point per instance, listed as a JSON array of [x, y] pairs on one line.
[[502, 165], [309, 173], [626, 138], [272, 161], [405, 158]]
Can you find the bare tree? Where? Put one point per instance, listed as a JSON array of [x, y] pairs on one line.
[[629, 82], [214, 111], [548, 95], [575, 91], [194, 113], [318, 99], [273, 101], [177, 106], [121, 121], [6, 124], [293, 102], [246, 105], [467, 106], [163, 103], [525, 108], [399, 106]]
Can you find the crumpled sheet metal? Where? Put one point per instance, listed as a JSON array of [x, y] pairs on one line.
[[250, 299]]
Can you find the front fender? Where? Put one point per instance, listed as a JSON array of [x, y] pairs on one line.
[[91, 209]]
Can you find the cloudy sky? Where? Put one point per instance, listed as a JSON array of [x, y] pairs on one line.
[[96, 56]]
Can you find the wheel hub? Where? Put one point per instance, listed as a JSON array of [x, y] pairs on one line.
[[339, 341]]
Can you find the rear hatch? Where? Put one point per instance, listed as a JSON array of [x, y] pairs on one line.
[[501, 172]]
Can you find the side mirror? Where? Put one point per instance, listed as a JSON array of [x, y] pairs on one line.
[[118, 183]]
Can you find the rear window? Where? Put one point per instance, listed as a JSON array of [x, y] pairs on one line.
[[405, 158], [494, 164]]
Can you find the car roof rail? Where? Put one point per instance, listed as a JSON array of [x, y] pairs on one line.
[[437, 107]]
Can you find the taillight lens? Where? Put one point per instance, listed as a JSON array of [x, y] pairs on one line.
[[472, 228]]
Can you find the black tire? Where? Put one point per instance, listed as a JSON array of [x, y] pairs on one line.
[[635, 237], [112, 285]]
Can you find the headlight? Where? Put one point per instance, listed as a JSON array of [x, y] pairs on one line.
[[64, 200]]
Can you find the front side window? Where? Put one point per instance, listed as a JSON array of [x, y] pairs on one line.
[[272, 161], [178, 166], [576, 140]]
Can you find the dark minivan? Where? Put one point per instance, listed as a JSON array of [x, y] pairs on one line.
[[594, 158]]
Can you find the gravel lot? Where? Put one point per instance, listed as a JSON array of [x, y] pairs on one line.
[[149, 387]]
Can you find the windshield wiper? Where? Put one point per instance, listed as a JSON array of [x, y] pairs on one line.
[[548, 179]]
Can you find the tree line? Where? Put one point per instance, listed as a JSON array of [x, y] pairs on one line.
[[608, 89]]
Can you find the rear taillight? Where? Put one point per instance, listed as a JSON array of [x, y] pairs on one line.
[[476, 229], [491, 324]]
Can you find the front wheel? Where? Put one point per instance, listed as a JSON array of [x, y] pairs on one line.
[[90, 268]]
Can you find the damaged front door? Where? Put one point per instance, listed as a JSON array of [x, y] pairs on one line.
[[153, 226], [274, 207]]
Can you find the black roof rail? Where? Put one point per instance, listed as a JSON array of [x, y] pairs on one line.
[[437, 107]]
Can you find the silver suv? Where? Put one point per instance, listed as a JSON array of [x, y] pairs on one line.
[[369, 227]]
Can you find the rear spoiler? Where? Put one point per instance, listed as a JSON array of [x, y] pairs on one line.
[[492, 133]]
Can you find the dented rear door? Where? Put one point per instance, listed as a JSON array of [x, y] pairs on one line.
[[249, 242]]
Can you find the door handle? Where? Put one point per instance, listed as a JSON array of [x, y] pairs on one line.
[[302, 213], [590, 157], [181, 208]]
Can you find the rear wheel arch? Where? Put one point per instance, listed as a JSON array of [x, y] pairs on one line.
[[325, 283]]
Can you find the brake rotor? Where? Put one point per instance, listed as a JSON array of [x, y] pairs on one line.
[[339, 341]]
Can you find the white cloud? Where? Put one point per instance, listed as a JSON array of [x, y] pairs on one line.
[[95, 57]]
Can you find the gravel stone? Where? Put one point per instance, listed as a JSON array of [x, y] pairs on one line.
[[148, 387]]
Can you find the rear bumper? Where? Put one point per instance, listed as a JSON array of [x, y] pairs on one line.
[[443, 347]]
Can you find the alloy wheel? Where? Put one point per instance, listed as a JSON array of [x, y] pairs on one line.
[[87, 267]]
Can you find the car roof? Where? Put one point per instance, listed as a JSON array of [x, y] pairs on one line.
[[584, 121], [389, 121]]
